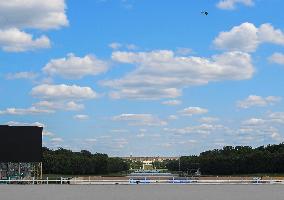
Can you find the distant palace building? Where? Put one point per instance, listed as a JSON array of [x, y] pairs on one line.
[[152, 159]]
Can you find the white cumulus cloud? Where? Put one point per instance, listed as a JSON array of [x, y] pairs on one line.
[[193, 111], [63, 91], [254, 122], [172, 117], [162, 74], [204, 129], [172, 102], [14, 40], [22, 75], [277, 58], [258, 130], [277, 117], [254, 100], [47, 14], [231, 4], [14, 123], [19, 15], [247, 37], [81, 117], [75, 67], [140, 119], [117, 45], [208, 120], [25, 111], [183, 51], [60, 105]]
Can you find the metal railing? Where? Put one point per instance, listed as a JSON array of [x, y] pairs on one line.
[[76, 181]]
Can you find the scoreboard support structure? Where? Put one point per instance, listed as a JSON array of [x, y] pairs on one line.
[[20, 152], [38, 171]]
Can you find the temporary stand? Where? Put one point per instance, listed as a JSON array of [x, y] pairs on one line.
[[21, 170]]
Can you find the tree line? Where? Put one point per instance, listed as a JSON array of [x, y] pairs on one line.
[[63, 161], [226, 161], [233, 160]]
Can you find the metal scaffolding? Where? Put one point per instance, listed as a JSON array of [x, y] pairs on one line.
[[17, 171]]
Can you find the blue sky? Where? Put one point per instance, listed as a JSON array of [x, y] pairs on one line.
[[144, 77]]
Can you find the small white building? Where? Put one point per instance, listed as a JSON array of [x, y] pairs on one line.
[[148, 165]]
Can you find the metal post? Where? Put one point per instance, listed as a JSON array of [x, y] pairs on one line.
[[19, 169], [47, 180], [40, 170], [61, 180]]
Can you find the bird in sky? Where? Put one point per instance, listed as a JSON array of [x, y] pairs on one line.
[[205, 13]]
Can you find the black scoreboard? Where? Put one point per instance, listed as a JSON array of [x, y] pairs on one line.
[[20, 143]]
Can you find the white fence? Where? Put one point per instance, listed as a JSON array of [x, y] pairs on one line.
[[75, 181]]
